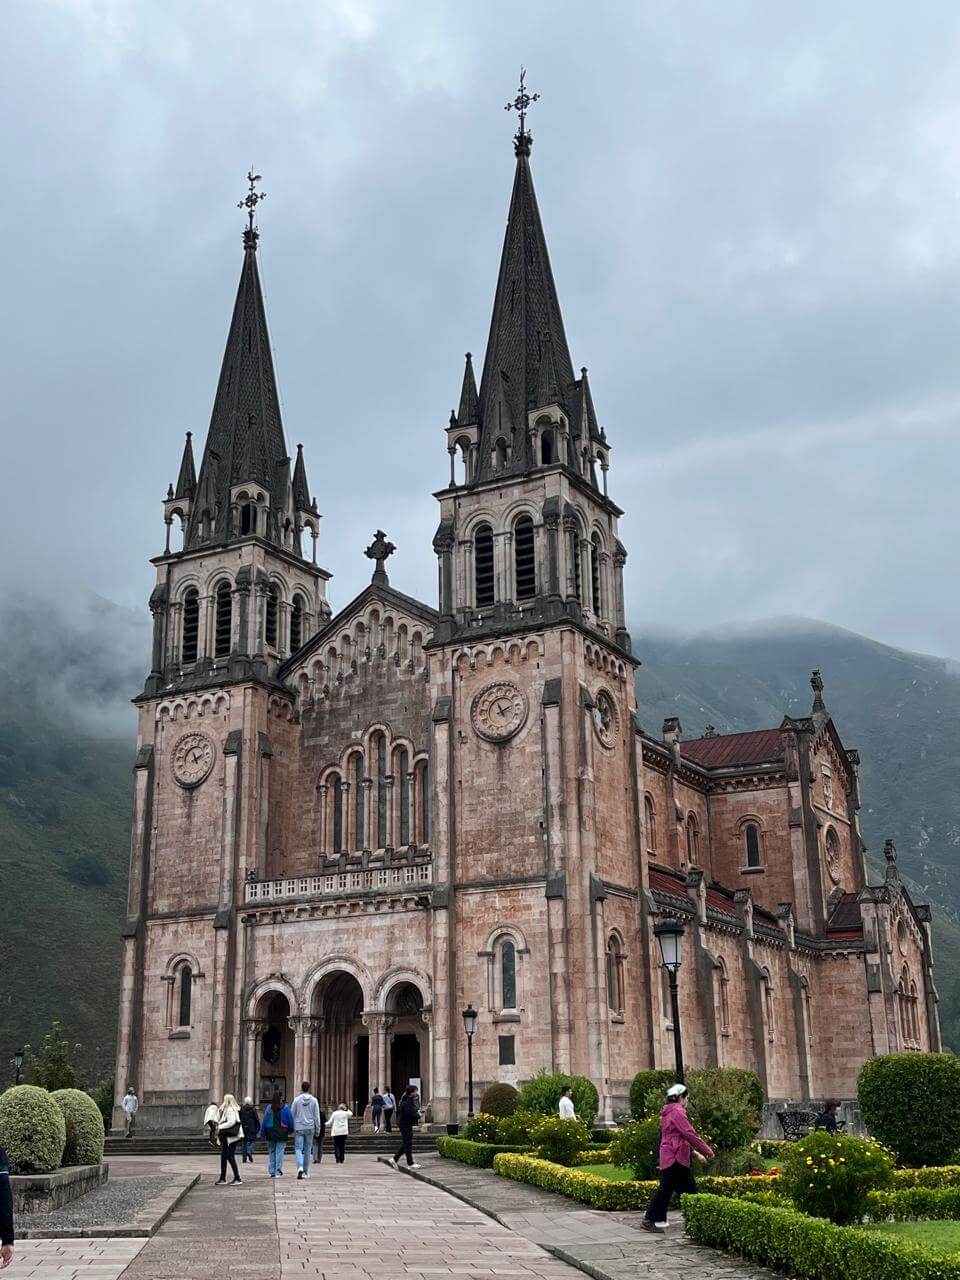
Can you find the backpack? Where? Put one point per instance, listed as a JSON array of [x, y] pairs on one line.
[[276, 1132]]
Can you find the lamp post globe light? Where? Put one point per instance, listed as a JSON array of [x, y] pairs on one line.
[[470, 1016], [669, 936]]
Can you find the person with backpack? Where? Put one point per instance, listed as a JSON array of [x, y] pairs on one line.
[[339, 1126], [276, 1126], [389, 1107], [229, 1131], [376, 1108], [250, 1124], [408, 1116]]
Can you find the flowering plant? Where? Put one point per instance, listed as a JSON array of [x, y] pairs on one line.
[[828, 1175]]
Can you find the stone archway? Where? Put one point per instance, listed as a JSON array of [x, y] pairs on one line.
[[408, 1039], [271, 1061], [340, 1066]]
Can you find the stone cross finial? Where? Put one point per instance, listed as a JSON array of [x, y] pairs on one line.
[[379, 550], [890, 857]]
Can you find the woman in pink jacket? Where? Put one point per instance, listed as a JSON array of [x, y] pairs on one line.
[[678, 1141]]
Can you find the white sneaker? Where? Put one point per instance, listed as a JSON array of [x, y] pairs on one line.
[[414, 1166], [393, 1163]]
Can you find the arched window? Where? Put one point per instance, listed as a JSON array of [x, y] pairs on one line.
[[751, 841], [614, 975], [768, 1010], [508, 974], [693, 840], [404, 784], [191, 625], [184, 995], [650, 821], [270, 630], [358, 815], [574, 552], [296, 624], [483, 566], [915, 1013], [596, 600], [380, 755], [425, 804], [546, 448], [223, 624], [500, 453], [722, 998], [525, 563], [337, 814], [248, 518]]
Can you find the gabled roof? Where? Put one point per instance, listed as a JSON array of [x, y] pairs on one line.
[[721, 750], [673, 884], [845, 919]]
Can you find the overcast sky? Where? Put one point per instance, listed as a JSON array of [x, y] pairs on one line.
[[753, 217]]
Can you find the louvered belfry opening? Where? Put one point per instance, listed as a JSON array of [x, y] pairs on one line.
[[191, 625], [595, 574], [224, 619], [525, 559], [296, 624], [483, 566], [271, 618]]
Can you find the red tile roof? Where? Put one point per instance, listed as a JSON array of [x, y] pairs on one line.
[[724, 749]]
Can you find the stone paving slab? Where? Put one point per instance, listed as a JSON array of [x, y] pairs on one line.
[[132, 1207], [73, 1259]]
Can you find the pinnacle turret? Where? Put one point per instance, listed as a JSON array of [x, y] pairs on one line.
[[467, 414], [301, 490], [187, 478]]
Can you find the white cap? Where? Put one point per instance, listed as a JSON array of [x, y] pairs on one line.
[[677, 1091]]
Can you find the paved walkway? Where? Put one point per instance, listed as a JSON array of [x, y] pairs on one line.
[[363, 1221]]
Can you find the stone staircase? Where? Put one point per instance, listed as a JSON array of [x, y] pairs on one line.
[[193, 1144]]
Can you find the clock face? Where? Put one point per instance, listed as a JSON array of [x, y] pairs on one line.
[[605, 719], [499, 711], [193, 756]]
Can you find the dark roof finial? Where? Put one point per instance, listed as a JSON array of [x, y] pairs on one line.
[[522, 141], [816, 684], [891, 871], [250, 202]]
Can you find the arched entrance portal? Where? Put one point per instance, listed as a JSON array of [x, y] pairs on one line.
[[341, 1070], [409, 1057], [274, 1049]]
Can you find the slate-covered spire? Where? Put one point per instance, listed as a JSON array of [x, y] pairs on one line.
[[301, 490], [187, 478], [467, 413], [527, 353], [245, 444]]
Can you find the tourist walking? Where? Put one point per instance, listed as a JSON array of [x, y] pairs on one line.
[[276, 1126], [389, 1107], [211, 1118], [6, 1212], [407, 1117], [565, 1107], [250, 1124], [376, 1105], [339, 1125], [307, 1120], [131, 1105], [229, 1132], [678, 1139]]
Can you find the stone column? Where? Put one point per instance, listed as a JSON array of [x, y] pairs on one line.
[[371, 1020], [253, 1029], [369, 817], [324, 805], [556, 878], [348, 818], [296, 1026], [391, 830]]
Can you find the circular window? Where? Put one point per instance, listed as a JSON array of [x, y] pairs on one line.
[[606, 720]]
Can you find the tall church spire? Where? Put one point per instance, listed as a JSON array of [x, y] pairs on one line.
[[245, 445]]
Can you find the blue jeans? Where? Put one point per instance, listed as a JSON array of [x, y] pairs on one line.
[[248, 1150], [303, 1146], [275, 1160]]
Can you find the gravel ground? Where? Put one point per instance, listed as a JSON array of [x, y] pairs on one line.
[[116, 1201]]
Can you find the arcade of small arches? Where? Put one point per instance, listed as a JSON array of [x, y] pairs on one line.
[[377, 796], [249, 515], [203, 624], [345, 1034], [551, 444], [374, 635]]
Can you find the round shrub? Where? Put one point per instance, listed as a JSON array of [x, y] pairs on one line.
[[499, 1100], [516, 1130], [643, 1083], [84, 1127], [561, 1141], [542, 1094], [637, 1147], [911, 1103], [726, 1108], [33, 1131], [481, 1128], [828, 1175]]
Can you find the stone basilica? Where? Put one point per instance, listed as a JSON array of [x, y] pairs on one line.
[[349, 825]]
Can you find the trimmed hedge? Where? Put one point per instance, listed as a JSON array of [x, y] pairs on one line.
[[32, 1129], [542, 1094], [479, 1154], [602, 1193], [942, 1175], [920, 1203], [925, 1129], [84, 1127], [594, 1155], [810, 1248]]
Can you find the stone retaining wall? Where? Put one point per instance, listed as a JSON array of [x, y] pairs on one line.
[[43, 1192]]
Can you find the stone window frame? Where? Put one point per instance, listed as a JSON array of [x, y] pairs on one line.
[[615, 975], [650, 822], [691, 831], [722, 997], [752, 820], [491, 953], [769, 1009], [173, 977]]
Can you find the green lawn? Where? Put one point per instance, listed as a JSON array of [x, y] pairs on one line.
[[610, 1171], [935, 1235]]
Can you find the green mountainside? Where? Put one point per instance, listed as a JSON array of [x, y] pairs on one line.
[[67, 734]]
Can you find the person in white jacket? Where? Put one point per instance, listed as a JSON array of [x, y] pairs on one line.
[[211, 1118], [339, 1126], [229, 1131]]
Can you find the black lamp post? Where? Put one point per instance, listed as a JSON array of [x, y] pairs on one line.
[[470, 1025], [669, 934], [17, 1064]]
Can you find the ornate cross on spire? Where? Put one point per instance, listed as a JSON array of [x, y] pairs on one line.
[[250, 202], [523, 140], [380, 550]]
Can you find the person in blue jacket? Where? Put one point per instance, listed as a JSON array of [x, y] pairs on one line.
[[6, 1212], [276, 1126]]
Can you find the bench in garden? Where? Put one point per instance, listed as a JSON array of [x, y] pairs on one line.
[[796, 1124]]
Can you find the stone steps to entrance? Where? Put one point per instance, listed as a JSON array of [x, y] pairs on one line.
[[188, 1144]]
